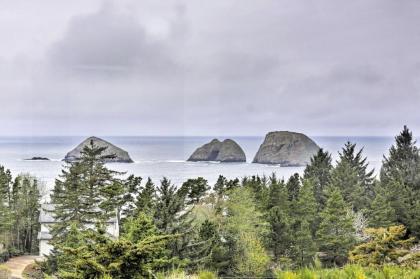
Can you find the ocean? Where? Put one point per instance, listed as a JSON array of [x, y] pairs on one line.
[[158, 157]]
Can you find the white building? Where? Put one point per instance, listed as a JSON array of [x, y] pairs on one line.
[[46, 220]]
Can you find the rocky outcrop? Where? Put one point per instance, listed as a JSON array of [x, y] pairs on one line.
[[115, 154], [37, 159], [226, 151], [286, 148]]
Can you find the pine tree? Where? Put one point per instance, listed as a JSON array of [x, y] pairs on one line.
[[319, 171], [336, 233], [304, 247], [381, 213], [305, 223], [220, 186], [146, 200], [132, 190], [352, 177], [82, 194], [402, 163], [195, 189], [306, 207], [400, 177], [173, 217], [293, 187], [385, 246], [280, 232], [345, 178]]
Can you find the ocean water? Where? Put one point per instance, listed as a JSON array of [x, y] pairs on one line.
[[157, 157]]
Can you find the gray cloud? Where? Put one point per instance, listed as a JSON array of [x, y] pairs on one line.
[[109, 43], [232, 67]]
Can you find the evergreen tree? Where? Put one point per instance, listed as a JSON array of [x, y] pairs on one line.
[[83, 193], [336, 233], [304, 247], [306, 207], [280, 232], [26, 214], [258, 186], [305, 223], [293, 187], [146, 200], [173, 217], [381, 213], [131, 191], [241, 206], [195, 189], [319, 171], [345, 178], [402, 163], [220, 186], [352, 177], [384, 246], [400, 177], [93, 254]]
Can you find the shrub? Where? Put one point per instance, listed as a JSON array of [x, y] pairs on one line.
[[33, 271], [206, 275]]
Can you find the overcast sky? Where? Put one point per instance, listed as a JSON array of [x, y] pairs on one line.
[[222, 67]]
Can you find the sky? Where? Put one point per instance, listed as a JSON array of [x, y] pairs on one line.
[[198, 68]]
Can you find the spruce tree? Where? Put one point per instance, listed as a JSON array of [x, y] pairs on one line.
[[293, 187], [280, 232], [195, 189], [304, 247], [319, 171], [81, 194], [336, 233], [352, 177], [400, 177], [146, 200], [381, 213]]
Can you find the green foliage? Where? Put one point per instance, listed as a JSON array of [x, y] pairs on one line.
[[195, 189], [293, 187], [93, 254], [385, 246], [351, 272], [19, 213], [400, 177], [336, 233], [381, 213], [352, 177], [250, 258], [146, 199], [319, 171], [86, 193]]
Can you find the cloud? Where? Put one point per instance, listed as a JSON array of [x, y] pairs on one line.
[[227, 67], [110, 43]]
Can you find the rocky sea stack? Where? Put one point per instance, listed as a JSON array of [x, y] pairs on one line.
[[120, 155], [286, 148], [226, 151]]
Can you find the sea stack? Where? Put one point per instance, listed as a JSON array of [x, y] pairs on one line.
[[286, 149], [227, 151], [119, 155]]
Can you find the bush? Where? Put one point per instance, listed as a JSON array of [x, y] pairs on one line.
[[33, 271], [4, 256], [206, 275], [352, 272]]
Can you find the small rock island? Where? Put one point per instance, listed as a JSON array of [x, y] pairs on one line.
[[286, 149], [37, 158], [227, 151], [120, 155]]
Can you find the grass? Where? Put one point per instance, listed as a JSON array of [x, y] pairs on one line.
[[348, 272], [352, 272]]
